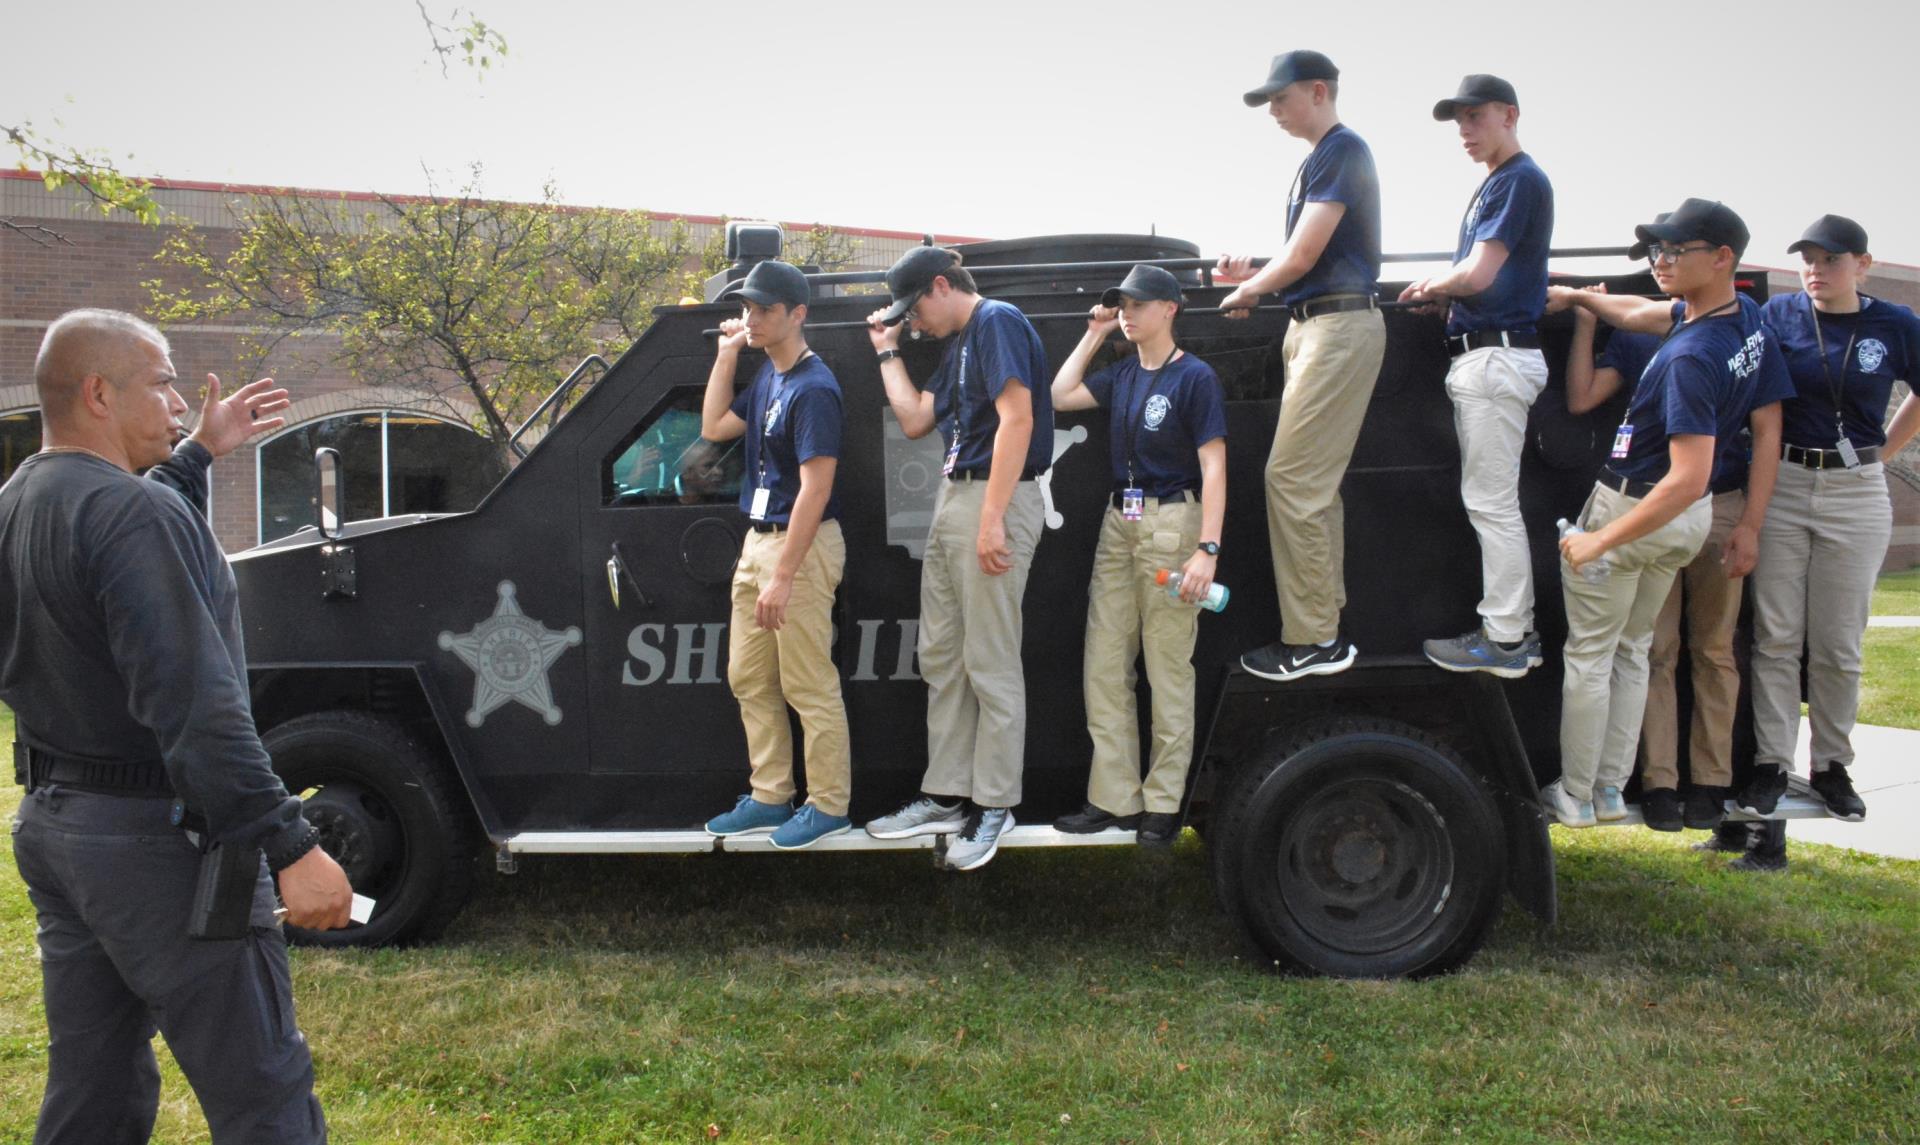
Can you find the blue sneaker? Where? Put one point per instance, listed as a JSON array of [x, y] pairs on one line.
[[809, 825], [1473, 652], [749, 815]]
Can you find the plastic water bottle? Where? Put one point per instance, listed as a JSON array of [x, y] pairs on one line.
[[1215, 600], [1594, 571]]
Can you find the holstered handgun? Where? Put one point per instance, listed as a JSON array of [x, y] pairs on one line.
[[223, 888]]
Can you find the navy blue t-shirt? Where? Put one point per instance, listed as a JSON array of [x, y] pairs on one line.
[[998, 343], [1513, 207], [791, 418], [1165, 416], [1885, 348], [1701, 380], [1339, 169]]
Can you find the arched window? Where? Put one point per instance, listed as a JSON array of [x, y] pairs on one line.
[[396, 462], [19, 439]]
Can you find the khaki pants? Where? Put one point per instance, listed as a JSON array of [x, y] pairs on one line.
[[1492, 389], [771, 670], [970, 629], [1820, 551], [1332, 363], [1127, 613], [1711, 608], [1603, 695]]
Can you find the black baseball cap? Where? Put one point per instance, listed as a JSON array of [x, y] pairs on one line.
[[909, 278], [1474, 91], [1705, 219], [1835, 234], [1145, 283], [1291, 68], [772, 283]]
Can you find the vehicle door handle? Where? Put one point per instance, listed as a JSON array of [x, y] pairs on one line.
[[616, 570]]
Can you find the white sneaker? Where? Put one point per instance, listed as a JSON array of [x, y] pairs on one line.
[[921, 817], [1569, 811], [1608, 805]]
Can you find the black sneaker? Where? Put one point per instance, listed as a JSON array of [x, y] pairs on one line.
[[1727, 839], [1660, 808], [1089, 819], [1282, 661], [1758, 862], [1763, 791], [1706, 807], [1836, 790], [1158, 829]]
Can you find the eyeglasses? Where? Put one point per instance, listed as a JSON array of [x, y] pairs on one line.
[[1661, 252]]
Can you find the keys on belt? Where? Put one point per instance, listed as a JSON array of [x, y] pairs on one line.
[[1827, 458]]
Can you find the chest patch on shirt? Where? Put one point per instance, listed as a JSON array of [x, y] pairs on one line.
[[773, 416], [1870, 354], [1156, 411]]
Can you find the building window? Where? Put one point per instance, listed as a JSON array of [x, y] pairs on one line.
[[19, 439], [395, 462]]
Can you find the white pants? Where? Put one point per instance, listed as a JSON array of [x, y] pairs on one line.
[[1492, 389], [1820, 551]]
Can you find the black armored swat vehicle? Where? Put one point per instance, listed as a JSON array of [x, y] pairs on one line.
[[546, 672]]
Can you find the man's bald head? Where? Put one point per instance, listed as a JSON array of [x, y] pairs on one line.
[[84, 343]]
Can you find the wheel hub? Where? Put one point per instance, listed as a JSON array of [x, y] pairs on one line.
[[1365, 865]]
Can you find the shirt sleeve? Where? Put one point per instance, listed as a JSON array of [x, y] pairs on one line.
[[1345, 175], [1687, 394], [742, 406], [1774, 383], [1627, 353], [154, 583], [1507, 209], [1002, 347], [1910, 349], [816, 423], [1101, 387], [185, 472], [1204, 410]]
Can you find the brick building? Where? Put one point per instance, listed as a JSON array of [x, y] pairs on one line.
[[401, 456]]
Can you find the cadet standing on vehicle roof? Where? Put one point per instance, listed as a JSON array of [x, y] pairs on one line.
[[780, 639], [1831, 520], [1168, 445], [1497, 290], [1649, 513], [121, 657], [1327, 274], [988, 397]]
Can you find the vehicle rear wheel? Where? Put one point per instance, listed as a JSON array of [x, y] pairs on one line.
[[388, 812], [1361, 848]]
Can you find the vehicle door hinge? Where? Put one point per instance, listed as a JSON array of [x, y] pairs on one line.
[[339, 578]]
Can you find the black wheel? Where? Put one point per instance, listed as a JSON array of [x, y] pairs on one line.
[[388, 813], [1361, 848]]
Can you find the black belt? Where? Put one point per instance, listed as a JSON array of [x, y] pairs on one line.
[[1826, 458], [1315, 307], [34, 769], [769, 526], [1625, 485], [1027, 474], [1481, 339], [1174, 498]]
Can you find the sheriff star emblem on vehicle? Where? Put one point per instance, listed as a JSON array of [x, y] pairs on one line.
[[510, 654]]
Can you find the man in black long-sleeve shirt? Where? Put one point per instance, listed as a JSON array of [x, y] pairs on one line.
[[120, 654]]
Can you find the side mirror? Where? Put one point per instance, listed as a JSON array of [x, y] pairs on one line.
[[326, 491]]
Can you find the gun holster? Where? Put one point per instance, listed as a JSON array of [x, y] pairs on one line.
[[223, 888]]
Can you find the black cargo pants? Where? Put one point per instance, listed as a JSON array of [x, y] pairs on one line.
[[112, 881]]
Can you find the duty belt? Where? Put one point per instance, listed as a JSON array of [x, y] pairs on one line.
[[1315, 307], [34, 769], [1826, 458], [1481, 339]]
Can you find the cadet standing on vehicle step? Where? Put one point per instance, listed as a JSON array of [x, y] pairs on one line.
[[1168, 443], [1327, 274], [989, 398], [121, 657], [1497, 290], [780, 639]]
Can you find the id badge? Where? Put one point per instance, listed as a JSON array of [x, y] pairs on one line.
[[953, 457], [1849, 456], [1133, 504], [758, 511], [1622, 442]]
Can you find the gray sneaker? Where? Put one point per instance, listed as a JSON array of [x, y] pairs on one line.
[[921, 817], [1473, 652], [980, 838]]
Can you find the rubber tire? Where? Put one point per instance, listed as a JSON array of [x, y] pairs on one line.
[[421, 877], [1378, 763]]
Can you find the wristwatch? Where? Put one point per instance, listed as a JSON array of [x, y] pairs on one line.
[[888, 355], [1211, 548]]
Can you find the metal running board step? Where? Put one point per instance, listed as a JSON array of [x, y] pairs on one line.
[[1798, 803], [684, 842]]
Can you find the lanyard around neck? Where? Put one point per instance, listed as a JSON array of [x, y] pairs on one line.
[[1834, 385], [1148, 379], [1678, 325], [775, 394]]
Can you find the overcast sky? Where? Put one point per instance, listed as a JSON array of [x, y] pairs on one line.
[[1005, 119]]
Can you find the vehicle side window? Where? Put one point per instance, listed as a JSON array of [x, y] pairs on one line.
[[665, 461]]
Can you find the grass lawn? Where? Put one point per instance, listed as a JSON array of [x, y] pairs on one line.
[[1897, 594], [1090, 996]]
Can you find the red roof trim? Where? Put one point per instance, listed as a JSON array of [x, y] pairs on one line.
[[372, 197]]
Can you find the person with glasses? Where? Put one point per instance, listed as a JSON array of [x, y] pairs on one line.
[[1494, 295], [988, 400], [1327, 275], [1649, 512], [1168, 449], [780, 637], [1827, 533]]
